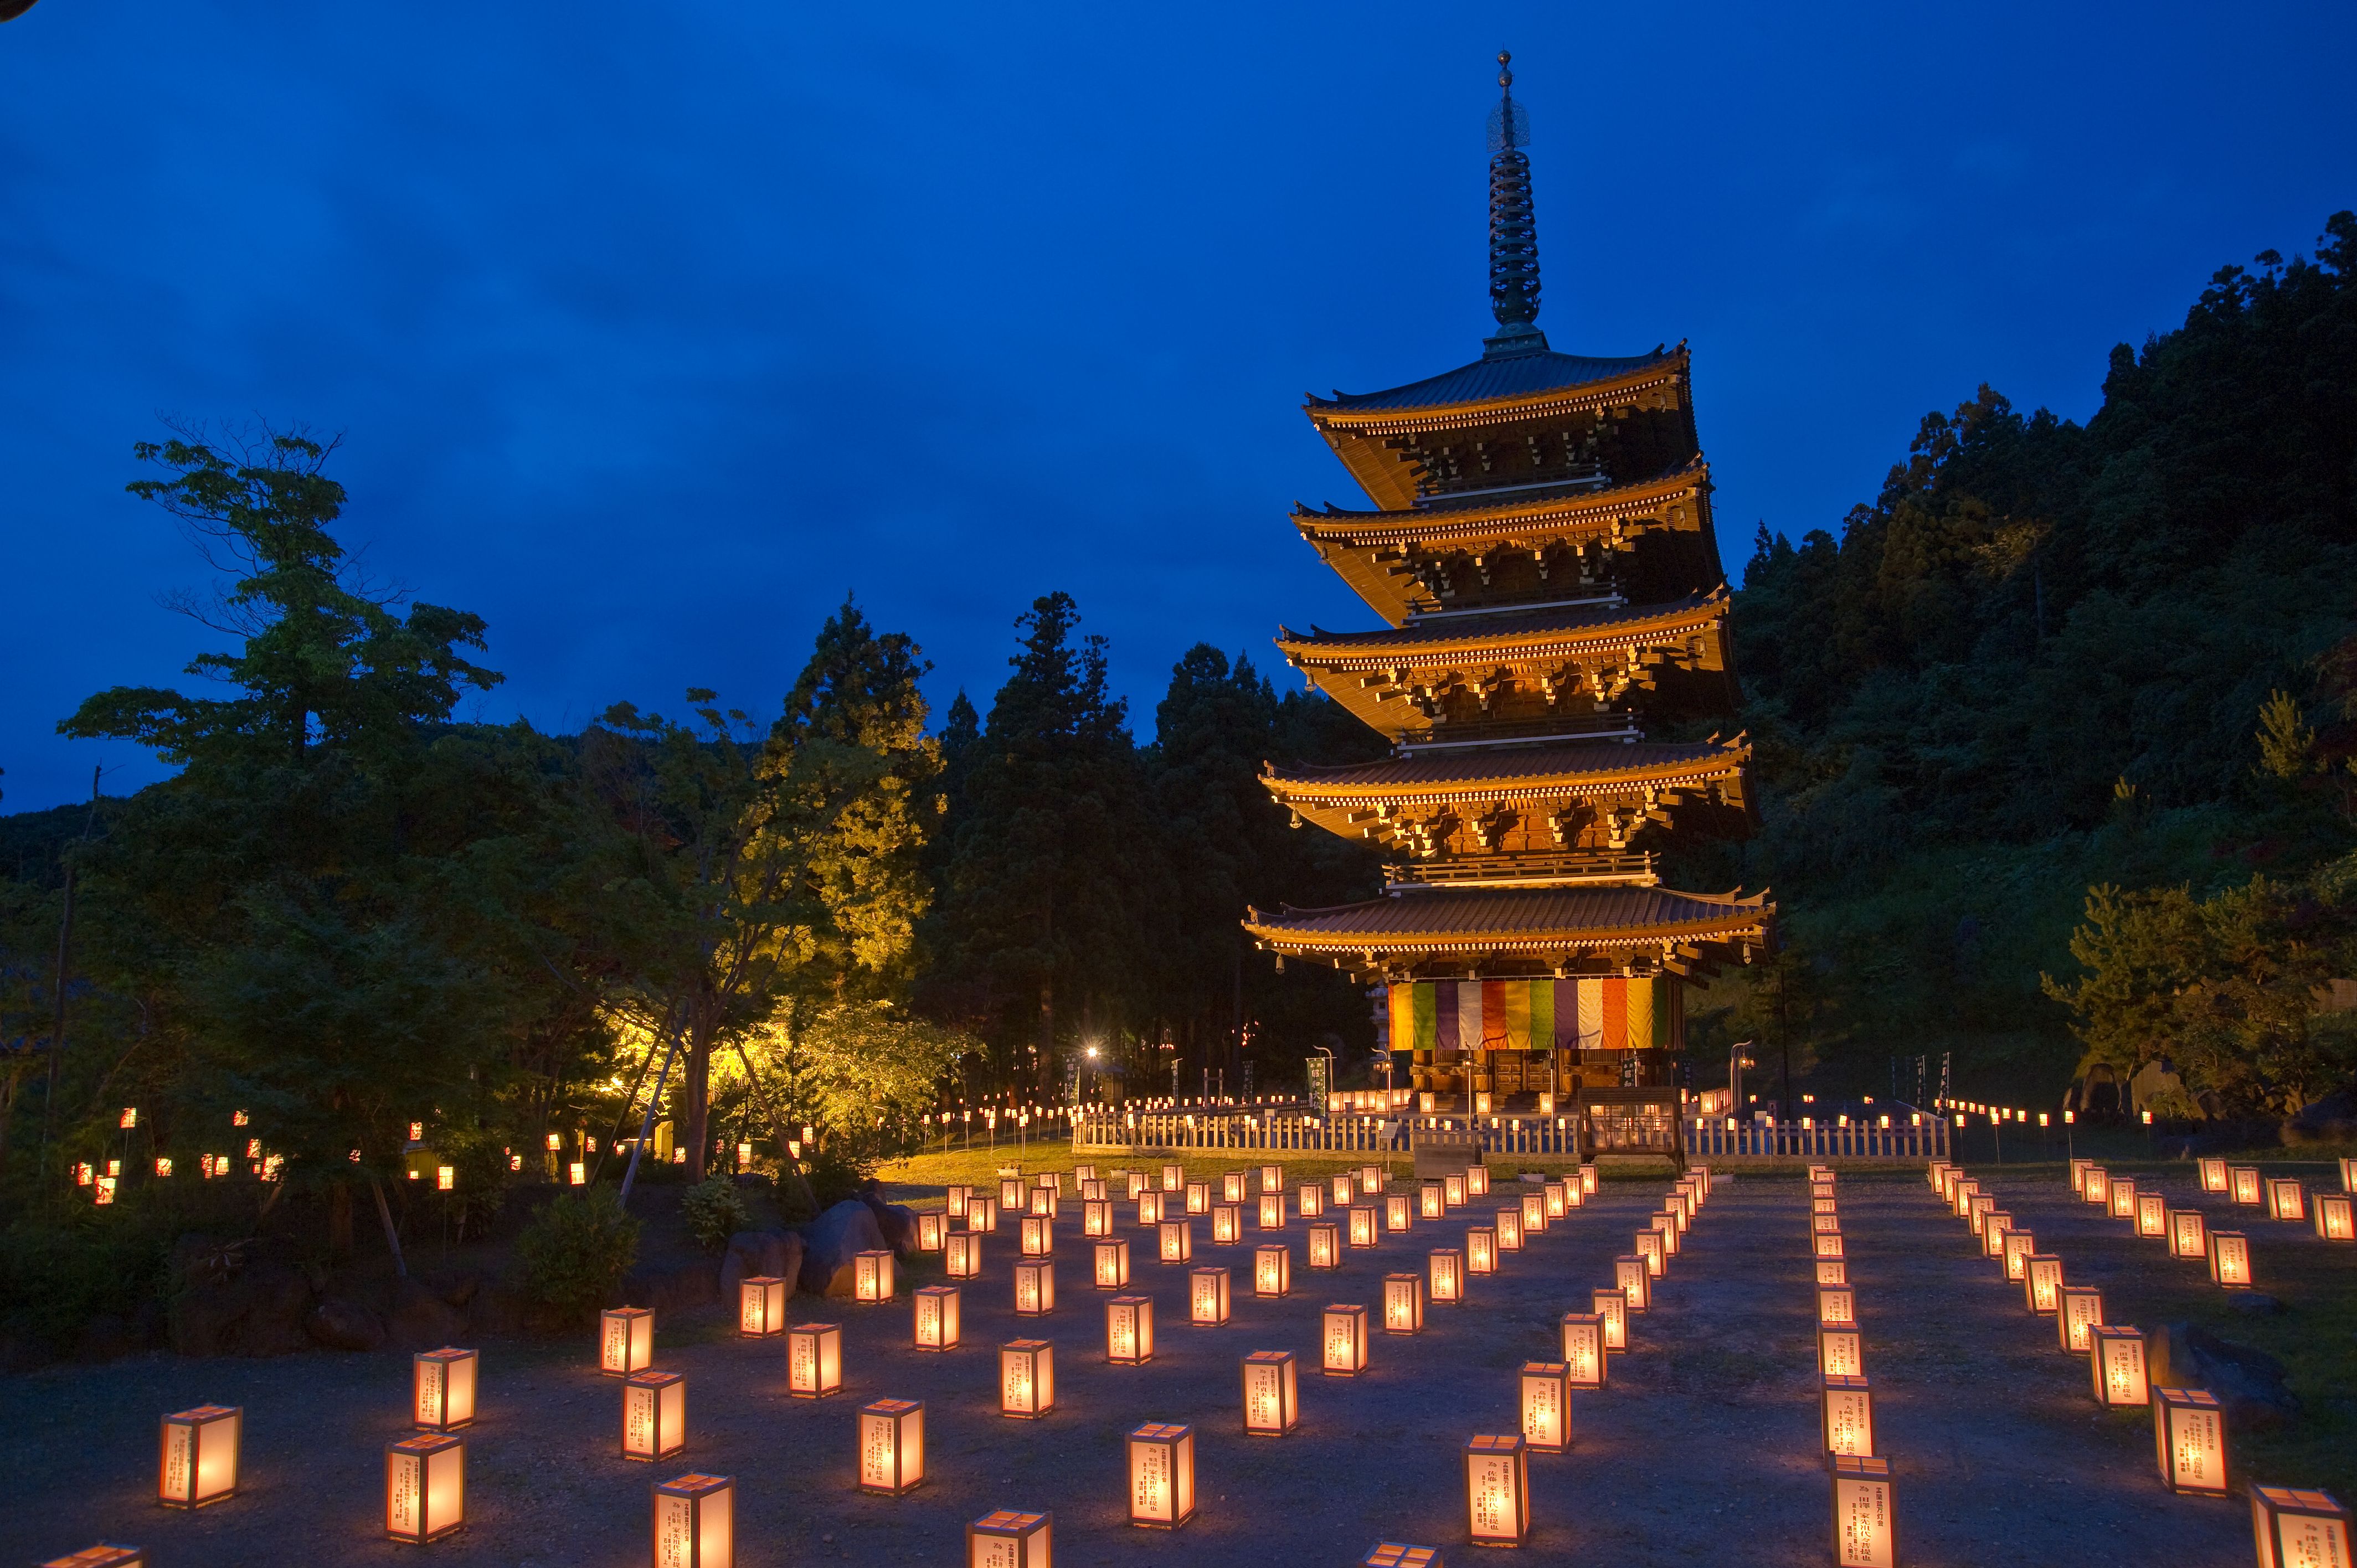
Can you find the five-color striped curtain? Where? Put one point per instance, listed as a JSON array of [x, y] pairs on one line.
[[1605, 1013]]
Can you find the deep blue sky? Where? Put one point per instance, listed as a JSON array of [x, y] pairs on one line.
[[653, 329]]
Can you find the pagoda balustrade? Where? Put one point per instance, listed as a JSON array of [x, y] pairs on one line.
[[1633, 866], [1706, 1138]]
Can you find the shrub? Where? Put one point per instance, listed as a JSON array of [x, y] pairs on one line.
[[576, 1251], [714, 1210]]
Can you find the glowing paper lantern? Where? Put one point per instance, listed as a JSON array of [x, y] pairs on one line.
[[2078, 1176], [761, 1307], [958, 1197], [1271, 1212], [1983, 1206], [1174, 1179], [1497, 1490], [2079, 1311], [1207, 1297], [1339, 1185], [1035, 1287], [1829, 1246], [2152, 1215], [1562, 1198], [2123, 1198], [1129, 1330], [1175, 1240], [1093, 1191], [2247, 1190], [1272, 1180], [1993, 1234], [1010, 1194], [1198, 1197], [1651, 1247], [892, 1446], [1430, 1200], [1588, 1181], [1452, 1191], [2118, 1354], [2188, 1238], [934, 1315], [696, 1522], [1398, 1213], [1161, 1476], [654, 1414], [1402, 1304], [2336, 1217], [2018, 1246], [1446, 1273], [982, 1216], [2097, 1186], [2188, 1434], [442, 1388], [1326, 1245], [1364, 1230], [1039, 1236], [2348, 1176], [1007, 1538], [1026, 1379], [1096, 1216], [1271, 1393], [1133, 1184], [199, 1457], [1311, 1200], [1849, 1416], [1481, 1250], [1227, 1224], [1836, 1304], [871, 1278], [1343, 1340], [1042, 1201], [2285, 1199], [1583, 1349], [626, 1340], [1831, 1271], [1841, 1350], [1546, 1406], [1509, 1228], [1149, 1209], [814, 1361], [425, 1487], [2230, 1258], [104, 1555], [1477, 1181], [2213, 1175], [1232, 1186], [2295, 1527], [1370, 1180], [1535, 1213], [961, 1259], [1612, 1306], [1866, 1513], [2042, 1283], [1112, 1264], [1633, 1280], [930, 1228]]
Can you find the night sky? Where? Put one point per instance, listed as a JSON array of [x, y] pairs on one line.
[[652, 331]]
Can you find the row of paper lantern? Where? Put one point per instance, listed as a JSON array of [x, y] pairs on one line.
[[1865, 1497], [2289, 1525], [2284, 1198]]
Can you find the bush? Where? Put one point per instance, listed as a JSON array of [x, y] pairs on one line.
[[714, 1210], [833, 1176], [576, 1251]]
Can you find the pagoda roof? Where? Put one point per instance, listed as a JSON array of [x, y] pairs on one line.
[[1504, 379], [1508, 632], [1552, 927], [1487, 770]]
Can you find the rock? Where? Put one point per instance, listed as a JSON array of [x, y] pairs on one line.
[[2248, 1382], [461, 1291], [419, 1319], [342, 1325], [755, 1254], [898, 1222], [674, 1288], [497, 1308], [835, 1238], [258, 1312], [2331, 1119]]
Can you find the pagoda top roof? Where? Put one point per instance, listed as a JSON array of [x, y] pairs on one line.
[[1452, 511], [1513, 766], [1478, 916], [1509, 627], [1500, 388]]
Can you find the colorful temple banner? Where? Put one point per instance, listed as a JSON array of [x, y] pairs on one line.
[[1606, 1013]]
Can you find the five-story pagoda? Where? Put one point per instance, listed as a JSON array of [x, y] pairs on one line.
[[1541, 549]]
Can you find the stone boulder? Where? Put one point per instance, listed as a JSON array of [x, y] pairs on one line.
[[258, 1311], [898, 1222], [673, 1287], [2248, 1382], [420, 1319], [2331, 1119], [341, 1325], [755, 1254], [832, 1240]]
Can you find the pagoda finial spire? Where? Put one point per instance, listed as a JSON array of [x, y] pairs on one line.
[[1513, 231]]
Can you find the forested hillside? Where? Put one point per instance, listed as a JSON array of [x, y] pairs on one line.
[[2038, 661]]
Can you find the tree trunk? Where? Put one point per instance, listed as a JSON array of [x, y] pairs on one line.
[[699, 1098], [392, 1235], [340, 1220]]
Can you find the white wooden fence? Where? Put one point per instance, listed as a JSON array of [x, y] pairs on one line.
[[1706, 1138]]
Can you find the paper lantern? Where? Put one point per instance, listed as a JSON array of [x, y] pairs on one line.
[[1983, 1206], [1007, 1538], [2152, 1215], [2187, 1237], [1588, 1181], [654, 1414], [1343, 1340], [1828, 1246], [2118, 1354], [1841, 1350], [1272, 1179], [1339, 1186], [1535, 1213], [1582, 1336], [982, 1216], [1546, 1400], [935, 1314], [1174, 1179], [2042, 1283], [1446, 1273], [1175, 1240], [1093, 1191], [1232, 1186], [1096, 1216], [1207, 1297], [814, 1361], [2336, 1217], [1398, 1554], [1035, 1287], [1129, 1330], [1227, 1224], [2285, 1199], [199, 1457], [1562, 1198], [1198, 1197], [1665, 1225], [626, 1340], [1509, 1228], [2078, 1176], [425, 1487], [1161, 1476], [1402, 1304], [1364, 1230], [696, 1522], [2295, 1527], [1026, 1379], [2349, 1174], [1038, 1236], [1430, 1202], [1398, 1212], [1149, 1209], [1633, 1280], [104, 1555], [1452, 1191], [2123, 1198], [1966, 1191], [1481, 1250], [892, 1446], [2097, 1186], [1370, 1180], [871, 1279], [1497, 1490], [1112, 1264], [1042, 1202], [961, 1259], [2188, 1434], [1477, 1181], [1310, 1199], [2230, 1258], [2213, 1175], [1836, 1304], [1823, 1206], [1833, 1270], [1271, 1212], [958, 1196], [1649, 1248], [1612, 1306], [2019, 1245], [2247, 1190], [1849, 1416], [1010, 1194], [1824, 1219], [1993, 1234], [930, 1228], [442, 1388], [1326, 1245], [1271, 1393], [1865, 1514], [1133, 1183]]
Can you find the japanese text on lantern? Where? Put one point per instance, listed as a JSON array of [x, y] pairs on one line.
[[1493, 1500]]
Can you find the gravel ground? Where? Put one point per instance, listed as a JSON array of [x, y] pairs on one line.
[[1702, 1448]]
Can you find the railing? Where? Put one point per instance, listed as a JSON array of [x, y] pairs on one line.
[[1706, 1138], [1602, 866], [1716, 1138]]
